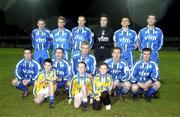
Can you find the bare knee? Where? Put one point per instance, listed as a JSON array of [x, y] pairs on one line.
[[38, 99], [116, 84], [15, 82], [157, 84], [77, 101], [134, 88], [127, 85], [76, 104]]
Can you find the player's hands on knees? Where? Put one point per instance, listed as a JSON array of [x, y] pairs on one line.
[[67, 84], [42, 81], [90, 75], [25, 82], [141, 85], [70, 101], [97, 99], [148, 84]]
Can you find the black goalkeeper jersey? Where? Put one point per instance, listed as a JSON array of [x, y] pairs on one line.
[[103, 37]]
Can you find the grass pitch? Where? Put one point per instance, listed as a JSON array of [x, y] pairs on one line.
[[168, 105]]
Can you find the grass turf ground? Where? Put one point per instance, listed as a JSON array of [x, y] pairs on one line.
[[168, 105]]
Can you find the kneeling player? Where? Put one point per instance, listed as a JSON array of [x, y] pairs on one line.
[[145, 76], [81, 87], [27, 71], [102, 88], [119, 71], [45, 84]]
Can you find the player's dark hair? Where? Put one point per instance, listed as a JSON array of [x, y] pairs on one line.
[[82, 16], [41, 20], [60, 49], [82, 63], [126, 18], [48, 61], [146, 49], [28, 49], [116, 48], [103, 15], [103, 63], [151, 15]]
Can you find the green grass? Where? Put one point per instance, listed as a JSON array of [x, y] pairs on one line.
[[168, 105]]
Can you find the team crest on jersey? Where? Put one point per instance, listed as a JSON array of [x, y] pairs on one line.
[[31, 65], [61, 65], [84, 31], [120, 67], [60, 72], [103, 33], [150, 66]]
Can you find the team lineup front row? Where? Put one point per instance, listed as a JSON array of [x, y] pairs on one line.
[[83, 80]]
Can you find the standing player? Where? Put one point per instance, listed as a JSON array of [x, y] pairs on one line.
[[119, 71], [81, 87], [41, 42], [85, 57], [79, 34], [151, 37], [26, 72], [102, 88], [126, 39], [45, 84], [61, 37], [63, 70], [145, 76], [103, 40]]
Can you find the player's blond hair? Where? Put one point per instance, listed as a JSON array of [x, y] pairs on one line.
[[61, 18]]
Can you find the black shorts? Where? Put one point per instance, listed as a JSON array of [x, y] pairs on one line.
[[101, 54]]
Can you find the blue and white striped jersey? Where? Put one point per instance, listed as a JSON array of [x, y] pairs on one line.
[[27, 69], [79, 35], [125, 40], [150, 38], [142, 72], [89, 60], [41, 39], [63, 69], [118, 70], [61, 39]]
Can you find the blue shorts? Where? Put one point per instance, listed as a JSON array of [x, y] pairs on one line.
[[129, 58], [60, 84], [41, 55], [155, 57], [73, 52]]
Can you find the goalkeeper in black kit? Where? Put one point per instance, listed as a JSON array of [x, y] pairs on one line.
[[103, 40]]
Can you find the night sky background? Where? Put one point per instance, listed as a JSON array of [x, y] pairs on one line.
[[18, 17]]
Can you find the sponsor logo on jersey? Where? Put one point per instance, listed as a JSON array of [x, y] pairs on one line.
[[41, 40], [150, 37]]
